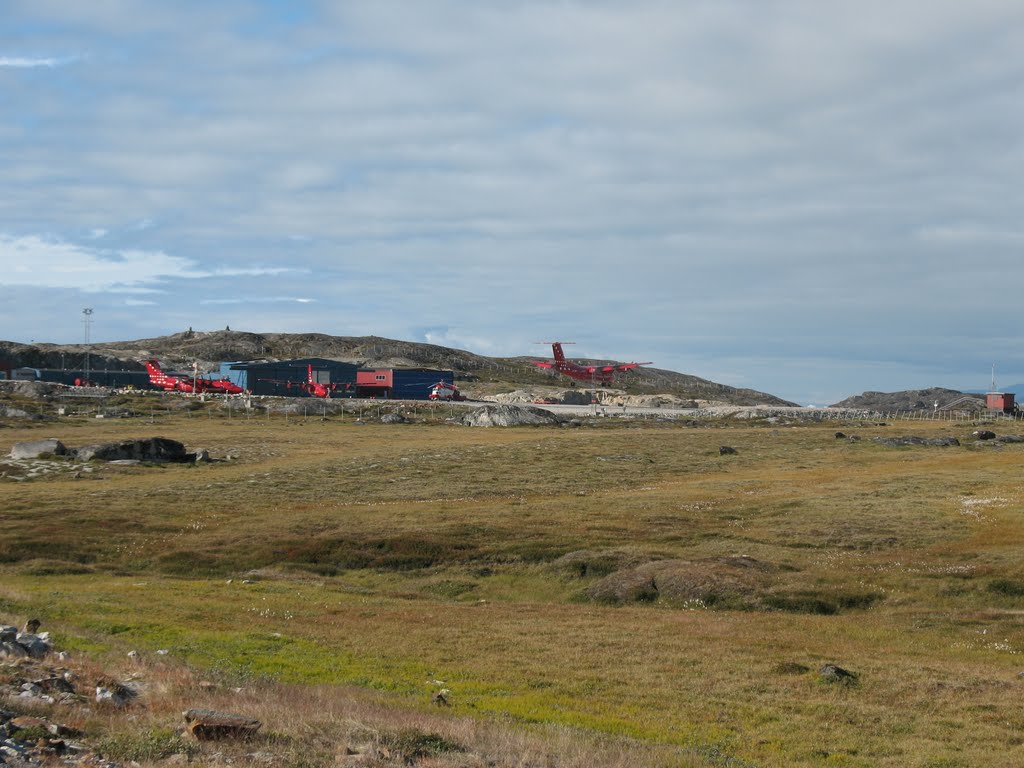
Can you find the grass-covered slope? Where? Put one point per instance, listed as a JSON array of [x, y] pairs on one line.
[[625, 579]]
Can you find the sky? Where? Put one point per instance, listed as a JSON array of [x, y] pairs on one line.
[[812, 198]]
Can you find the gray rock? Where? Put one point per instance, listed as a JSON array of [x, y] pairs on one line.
[[8, 634], [727, 450], [158, 449], [984, 434], [833, 673], [897, 442], [509, 416], [12, 650], [392, 418], [207, 724], [37, 448], [114, 696], [37, 646]]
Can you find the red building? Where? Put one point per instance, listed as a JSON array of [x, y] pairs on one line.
[[1000, 401], [400, 383]]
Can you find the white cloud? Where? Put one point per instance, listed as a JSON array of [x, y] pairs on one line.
[[49, 263], [41, 262], [24, 62], [259, 300]]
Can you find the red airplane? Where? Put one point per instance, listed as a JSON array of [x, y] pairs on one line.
[[180, 383], [310, 386], [601, 374]]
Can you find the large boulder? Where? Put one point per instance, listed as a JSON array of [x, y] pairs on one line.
[[37, 448], [159, 449], [509, 416]]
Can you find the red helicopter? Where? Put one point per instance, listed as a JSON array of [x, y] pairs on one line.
[[601, 374], [182, 383], [310, 386], [445, 391]]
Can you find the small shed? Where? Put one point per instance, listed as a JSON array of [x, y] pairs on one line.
[[400, 383], [1000, 401]]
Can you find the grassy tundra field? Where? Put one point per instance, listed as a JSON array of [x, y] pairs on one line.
[[618, 584]]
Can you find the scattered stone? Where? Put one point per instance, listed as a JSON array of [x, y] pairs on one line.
[[207, 724], [727, 450], [26, 722], [441, 698], [984, 434], [898, 442], [833, 673], [32, 626], [202, 456], [393, 418], [840, 436], [107, 696]]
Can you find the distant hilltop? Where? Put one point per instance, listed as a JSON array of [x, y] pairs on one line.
[[488, 374], [912, 400]]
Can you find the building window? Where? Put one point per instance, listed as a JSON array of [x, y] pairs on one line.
[[381, 377]]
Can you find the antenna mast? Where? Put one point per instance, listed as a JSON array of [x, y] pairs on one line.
[[86, 322]]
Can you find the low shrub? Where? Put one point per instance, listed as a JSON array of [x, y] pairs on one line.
[[820, 603], [157, 744], [414, 745], [1008, 587]]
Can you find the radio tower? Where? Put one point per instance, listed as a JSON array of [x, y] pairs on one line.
[[86, 322]]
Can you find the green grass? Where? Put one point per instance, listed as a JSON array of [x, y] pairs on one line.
[[389, 557]]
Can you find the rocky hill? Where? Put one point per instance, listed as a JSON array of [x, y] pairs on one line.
[[489, 375], [912, 400]]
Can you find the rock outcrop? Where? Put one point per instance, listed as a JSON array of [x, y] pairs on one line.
[[159, 449], [510, 416], [36, 448]]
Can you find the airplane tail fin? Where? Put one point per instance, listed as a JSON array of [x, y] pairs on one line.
[[556, 349], [153, 369]]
